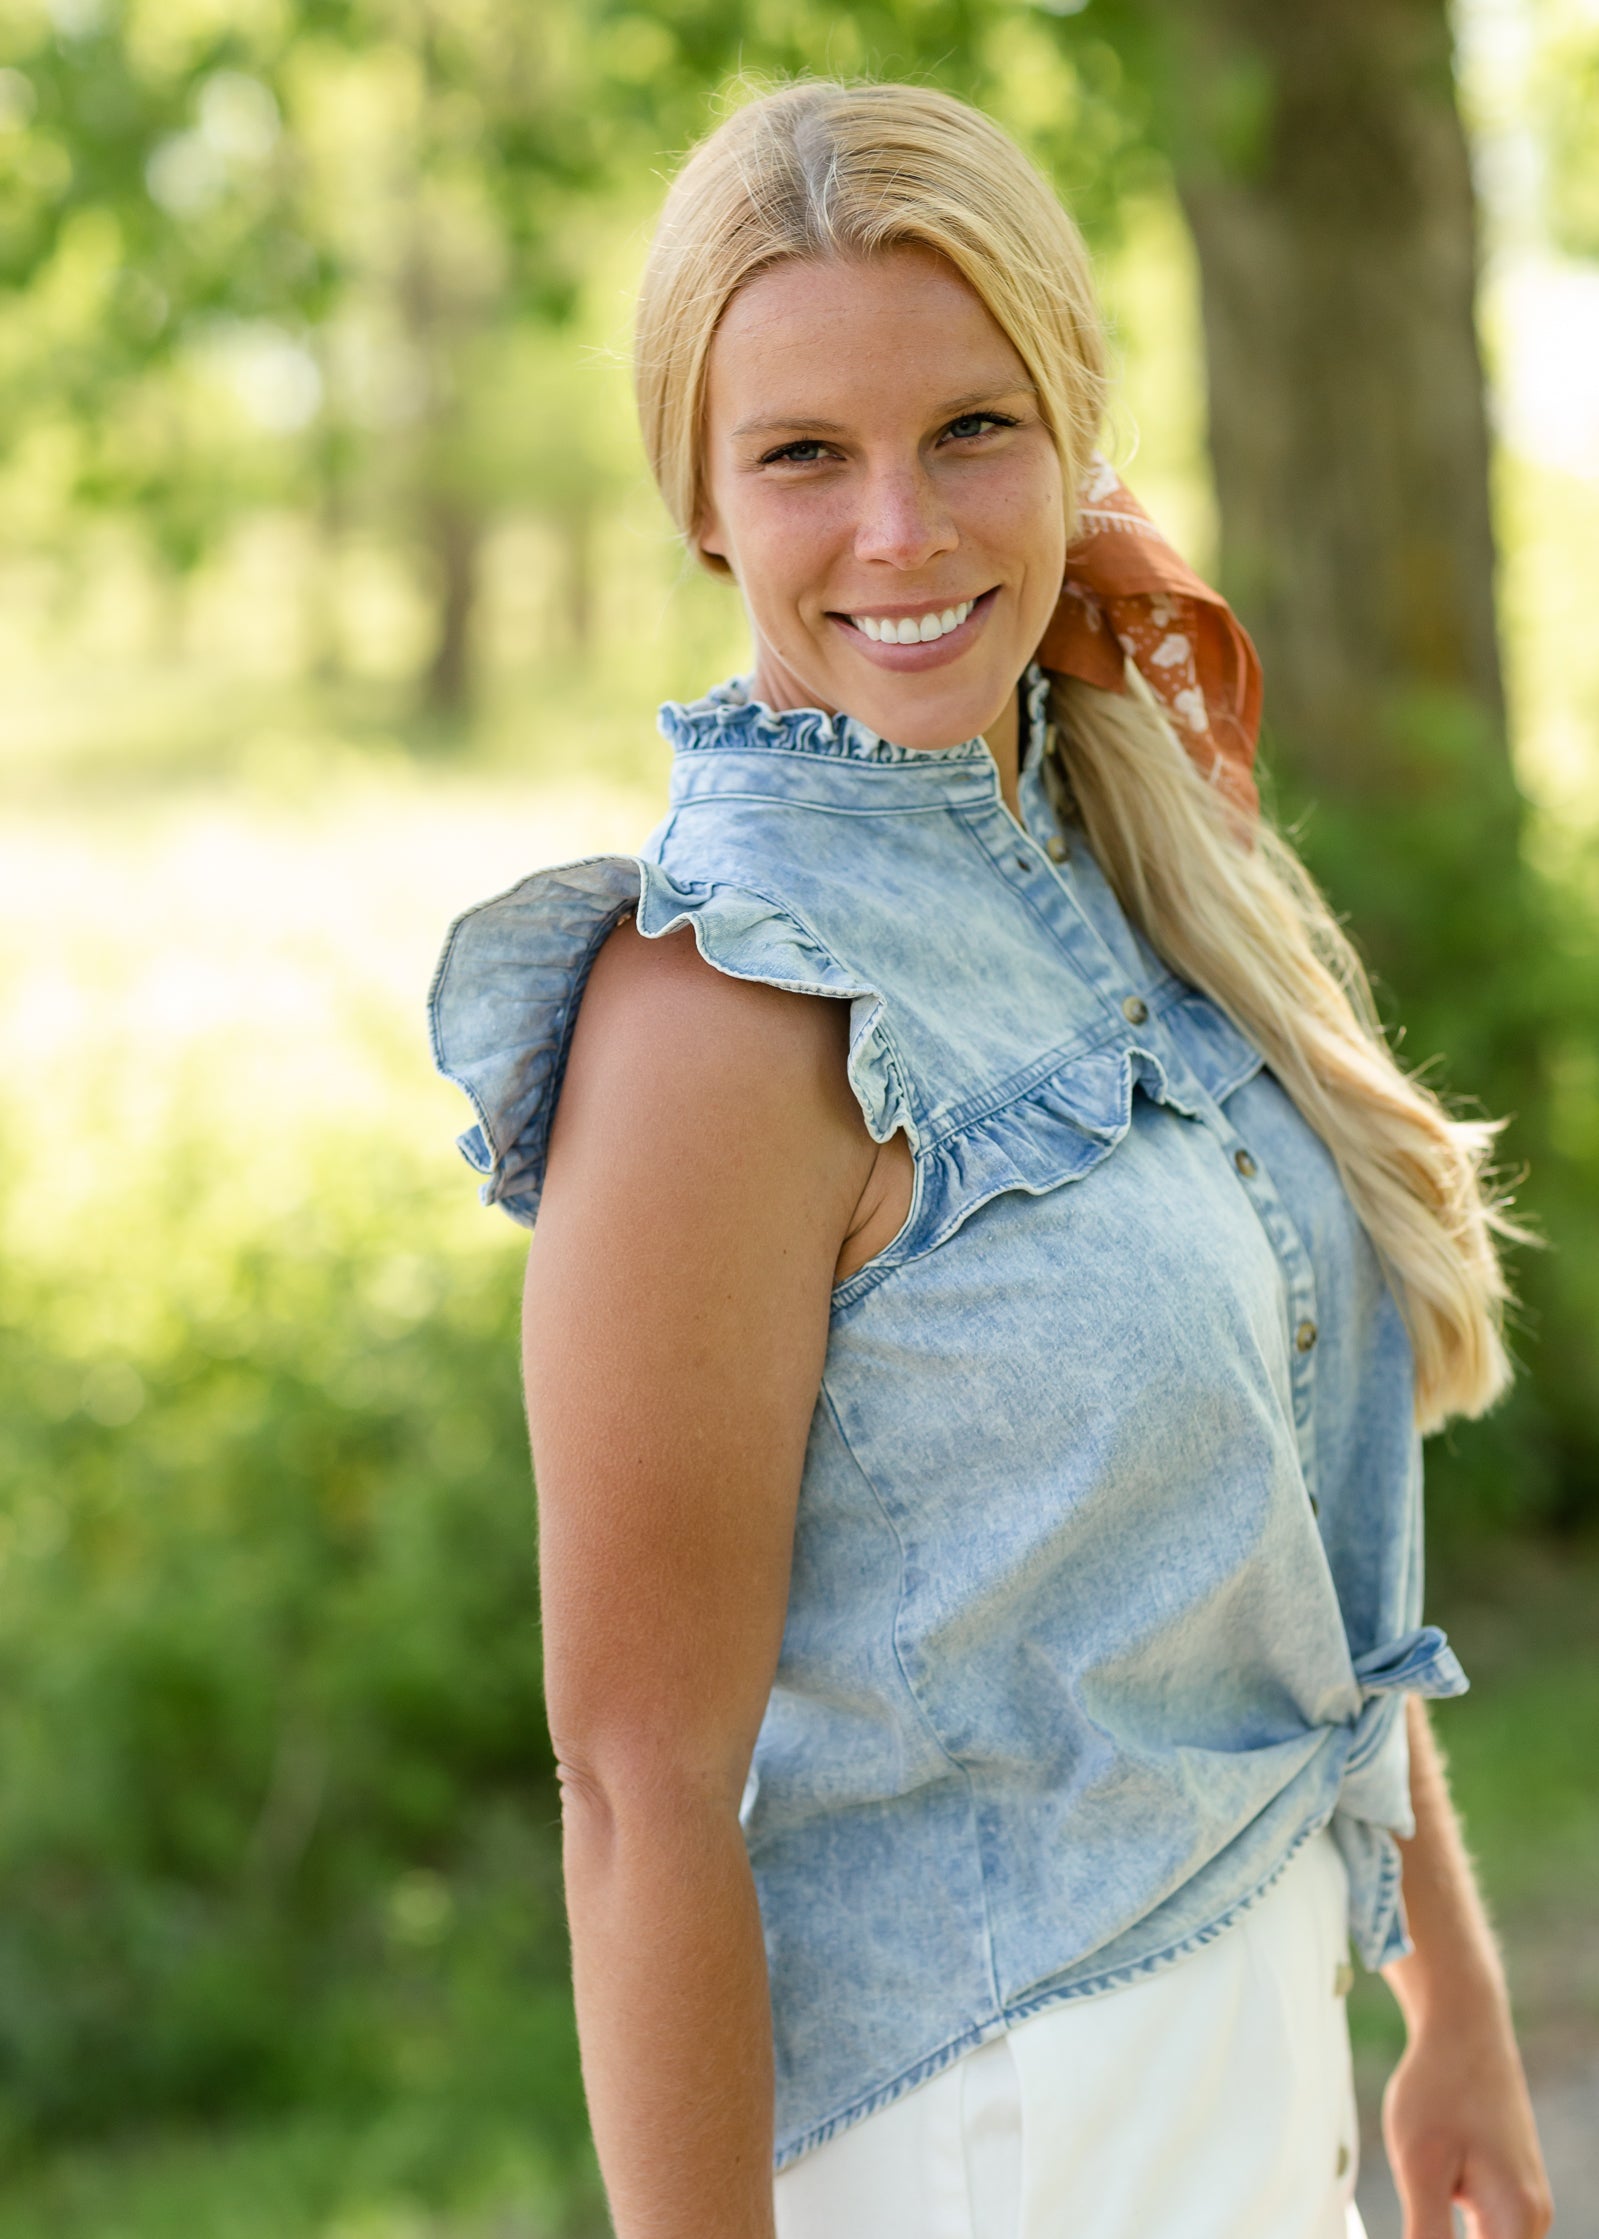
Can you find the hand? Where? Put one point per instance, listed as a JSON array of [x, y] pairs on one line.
[[1458, 2125]]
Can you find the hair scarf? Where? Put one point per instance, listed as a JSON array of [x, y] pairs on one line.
[[1127, 596]]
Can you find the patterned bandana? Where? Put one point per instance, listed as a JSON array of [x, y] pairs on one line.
[[1128, 596]]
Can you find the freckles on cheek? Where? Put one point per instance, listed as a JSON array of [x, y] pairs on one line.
[[1027, 499], [787, 547]]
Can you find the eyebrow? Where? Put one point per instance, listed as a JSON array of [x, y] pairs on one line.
[[951, 409]]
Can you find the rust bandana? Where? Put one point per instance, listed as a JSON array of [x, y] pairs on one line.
[[1128, 596]]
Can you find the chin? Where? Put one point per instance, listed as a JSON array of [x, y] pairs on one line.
[[928, 725]]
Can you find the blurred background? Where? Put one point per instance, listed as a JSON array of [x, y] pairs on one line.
[[333, 597]]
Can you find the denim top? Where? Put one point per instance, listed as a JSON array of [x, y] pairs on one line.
[[1108, 1556]]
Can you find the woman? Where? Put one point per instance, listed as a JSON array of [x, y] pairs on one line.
[[988, 1282]]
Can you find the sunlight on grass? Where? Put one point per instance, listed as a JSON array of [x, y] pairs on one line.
[[265, 967]]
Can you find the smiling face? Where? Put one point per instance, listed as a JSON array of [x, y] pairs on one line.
[[880, 483]]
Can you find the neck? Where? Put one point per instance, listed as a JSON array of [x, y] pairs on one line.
[[1003, 740]]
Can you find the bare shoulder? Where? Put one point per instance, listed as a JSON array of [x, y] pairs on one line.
[[663, 993], [672, 1057]]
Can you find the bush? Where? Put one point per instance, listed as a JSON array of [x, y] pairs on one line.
[[278, 1822]]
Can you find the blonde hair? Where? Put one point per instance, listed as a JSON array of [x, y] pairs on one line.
[[822, 170]]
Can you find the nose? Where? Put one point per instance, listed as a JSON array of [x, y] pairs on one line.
[[903, 521]]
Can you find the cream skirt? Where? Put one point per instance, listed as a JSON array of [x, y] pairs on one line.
[[1213, 2101]]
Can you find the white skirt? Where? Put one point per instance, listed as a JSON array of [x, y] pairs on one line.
[[1213, 2101]]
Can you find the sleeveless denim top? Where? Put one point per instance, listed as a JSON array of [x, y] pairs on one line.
[[1108, 1558]]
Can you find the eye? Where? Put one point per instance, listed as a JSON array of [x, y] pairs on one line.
[[972, 424], [804, 452]]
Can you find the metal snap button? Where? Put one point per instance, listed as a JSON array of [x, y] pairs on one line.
[[1056, 849], [1245, 1164], [1305, 1336], [1135, 1009]]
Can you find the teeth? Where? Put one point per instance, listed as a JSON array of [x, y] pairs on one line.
[[883, 631]]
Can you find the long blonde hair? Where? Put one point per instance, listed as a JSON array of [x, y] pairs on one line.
[[826, 170]]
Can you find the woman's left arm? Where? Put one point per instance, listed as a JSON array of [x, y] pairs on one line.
[[1457, 2118]]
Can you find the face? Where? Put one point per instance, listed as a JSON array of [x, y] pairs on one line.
[[882, 486]]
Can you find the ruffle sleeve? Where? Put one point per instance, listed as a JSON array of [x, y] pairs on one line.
[[506, 992], [1061, 1124]]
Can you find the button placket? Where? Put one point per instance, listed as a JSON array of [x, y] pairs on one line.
[[1003, 838], [1105, 973], [1299, 1283]]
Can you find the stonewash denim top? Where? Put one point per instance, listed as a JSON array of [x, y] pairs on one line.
[[1108, 1560]]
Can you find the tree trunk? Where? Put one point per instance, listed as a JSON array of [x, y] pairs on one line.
[[1332, 208], [440, 315], [1320, 158], [455, 538], [576, 528], [324, 637], [1321, 161]]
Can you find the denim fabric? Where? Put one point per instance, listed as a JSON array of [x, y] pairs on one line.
[[1108, 1559]]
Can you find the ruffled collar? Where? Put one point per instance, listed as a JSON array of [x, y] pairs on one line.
[[728, 716]]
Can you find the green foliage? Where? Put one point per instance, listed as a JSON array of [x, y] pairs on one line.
[[276, 1826], [358, 211], [413, 2172], [1487, 973]]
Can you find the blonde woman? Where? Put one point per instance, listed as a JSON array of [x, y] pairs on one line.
[[989, 1280]]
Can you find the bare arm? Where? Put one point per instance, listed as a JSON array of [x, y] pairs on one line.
[[1456, 2116], [706, 1163]]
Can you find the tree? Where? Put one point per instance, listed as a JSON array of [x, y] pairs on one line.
[[176, 181], [1321, 162]]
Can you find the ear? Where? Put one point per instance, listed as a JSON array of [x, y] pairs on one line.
[[710, 542]]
